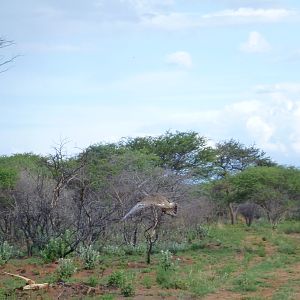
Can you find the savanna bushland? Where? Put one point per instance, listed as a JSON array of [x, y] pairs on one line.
[[235, 235]]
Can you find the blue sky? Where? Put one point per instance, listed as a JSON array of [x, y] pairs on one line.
[[98, 70]]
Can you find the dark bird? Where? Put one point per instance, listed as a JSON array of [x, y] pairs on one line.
[[167, 207]]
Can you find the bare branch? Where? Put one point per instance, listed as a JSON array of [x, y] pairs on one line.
[[5, 62]]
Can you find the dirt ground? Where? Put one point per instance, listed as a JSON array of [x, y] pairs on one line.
[[79, 289]]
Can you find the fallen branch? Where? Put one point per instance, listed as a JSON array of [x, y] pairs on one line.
[[28, 280], [30, 284], [36, 286]]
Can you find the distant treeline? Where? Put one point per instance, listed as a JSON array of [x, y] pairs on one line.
[[86, 195]]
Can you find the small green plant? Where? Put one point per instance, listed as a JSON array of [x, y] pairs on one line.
[[36, 272], [92, 281], [146, 270], [2, 293], [291, 227], [201, 231], [163, 278], [165, 261], [172, 246], [261, 251], [113, 250], [245, 283], [147, 282], [166, 270], [89, 256], [66, 268], [134, 250], [120, 280], [127, 289], [116, 279], [198, 245], [6, 252], [286, 248], [107, 297], [167, 279], [57, 247], [9, 287]]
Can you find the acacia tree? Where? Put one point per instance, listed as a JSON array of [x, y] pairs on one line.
[[232, 157], [222, 191], [124, 176], [184, 153], [63, 169]]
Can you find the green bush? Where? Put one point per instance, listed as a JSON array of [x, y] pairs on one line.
[[199, 232], [92, 281], [290, 227], [168, 279], [113, 250], [163, 278], [166, 272], [134, 250], [116, 279], [147, 282], [245, 283], [127, 289], [286, 248], [66, 268], [165, 261], [120, 280], [202, 232], [89, 256], [6, 252], [198, 245], [172, 246], [261, 251], [57, 247]]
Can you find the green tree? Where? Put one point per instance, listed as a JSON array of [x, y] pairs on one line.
[[8, 178], [222, 191], [106, 161], [181, 152], [275, 189], [233, 157]]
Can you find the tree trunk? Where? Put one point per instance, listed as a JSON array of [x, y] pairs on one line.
[[232, 212], [134, 242], [149, 251]]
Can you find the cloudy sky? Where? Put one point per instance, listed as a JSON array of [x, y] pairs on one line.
[[94, 71]]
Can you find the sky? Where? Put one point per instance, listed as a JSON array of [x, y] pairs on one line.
[[92, 71]]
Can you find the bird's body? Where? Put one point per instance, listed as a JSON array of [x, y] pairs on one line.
[[159, 201]]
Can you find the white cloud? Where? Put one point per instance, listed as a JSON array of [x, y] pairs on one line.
[[256, 43], [272, 124], [252, 14], [180, 58], [286, 87], [175, 20], [248, 121], [244, 107], [171, 21], [146, 6], [98, 15], [261, 130], [48, 47]]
